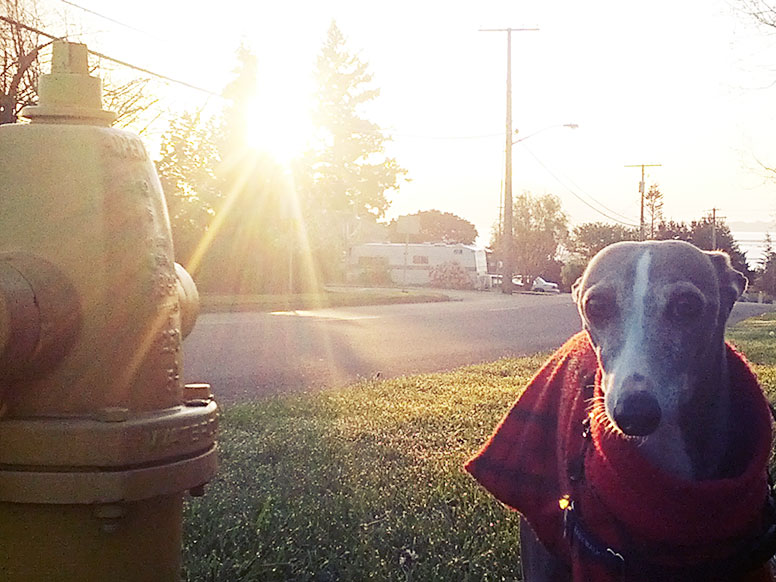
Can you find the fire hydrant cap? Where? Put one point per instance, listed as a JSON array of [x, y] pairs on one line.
[[69, 94]]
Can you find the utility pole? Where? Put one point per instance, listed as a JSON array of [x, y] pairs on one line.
[[506, 239], [714, 218], [501, 209], [641, 190]]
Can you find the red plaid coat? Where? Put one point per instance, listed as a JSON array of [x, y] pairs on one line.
[[529, 461]]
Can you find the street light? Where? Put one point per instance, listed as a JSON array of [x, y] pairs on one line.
[[506, 243]]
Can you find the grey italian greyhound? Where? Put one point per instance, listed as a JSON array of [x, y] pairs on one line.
[[655, 313]]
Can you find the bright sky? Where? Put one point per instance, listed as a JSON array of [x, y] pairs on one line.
[[688, 85]]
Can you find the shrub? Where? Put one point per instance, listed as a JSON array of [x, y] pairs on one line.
[[375, 276], [572, 271], [451, 275]]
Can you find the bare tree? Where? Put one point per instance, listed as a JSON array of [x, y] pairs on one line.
[[20, 47], [22, 42], [129, 98], [763, 11]]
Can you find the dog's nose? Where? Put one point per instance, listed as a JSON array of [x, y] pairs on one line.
[[637, 414]]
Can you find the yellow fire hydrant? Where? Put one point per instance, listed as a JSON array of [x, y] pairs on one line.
[[99, 439]]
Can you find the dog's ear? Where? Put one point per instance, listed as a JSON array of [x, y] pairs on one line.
[[575, 289], [732, 283]]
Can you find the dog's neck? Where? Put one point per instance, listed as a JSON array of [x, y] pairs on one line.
[[696, 447], [705, 420]]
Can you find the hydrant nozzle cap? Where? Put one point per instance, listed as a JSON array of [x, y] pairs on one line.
[[69, 94]]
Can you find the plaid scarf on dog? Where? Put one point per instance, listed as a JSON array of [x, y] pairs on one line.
[[538, 457]]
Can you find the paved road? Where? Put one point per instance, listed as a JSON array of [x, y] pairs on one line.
[[248, 355]]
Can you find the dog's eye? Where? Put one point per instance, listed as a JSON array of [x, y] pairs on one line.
[[599, 310], [685, 307]]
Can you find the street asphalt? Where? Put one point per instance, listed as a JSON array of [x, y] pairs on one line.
[[250, 355]]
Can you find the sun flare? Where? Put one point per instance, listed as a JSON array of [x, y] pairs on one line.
[[280, 126]]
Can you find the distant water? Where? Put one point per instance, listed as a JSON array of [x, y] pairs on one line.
[[752, 244]]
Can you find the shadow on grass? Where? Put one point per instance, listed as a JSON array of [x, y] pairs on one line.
[[356, 484]]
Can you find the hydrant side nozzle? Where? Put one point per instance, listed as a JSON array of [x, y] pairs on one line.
[[19, 321], [41, 315], [188, 296]]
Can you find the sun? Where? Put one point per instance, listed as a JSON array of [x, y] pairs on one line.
[[279, 125]]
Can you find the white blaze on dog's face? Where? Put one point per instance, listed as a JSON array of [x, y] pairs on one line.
[[655, 313]]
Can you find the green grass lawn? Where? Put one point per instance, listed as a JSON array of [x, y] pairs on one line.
[[365, 483], [341, 297], [756, 338]]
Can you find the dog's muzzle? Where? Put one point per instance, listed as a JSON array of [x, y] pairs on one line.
[[637, 413]]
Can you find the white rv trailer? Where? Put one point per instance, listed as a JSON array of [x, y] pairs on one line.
[[411, 264]]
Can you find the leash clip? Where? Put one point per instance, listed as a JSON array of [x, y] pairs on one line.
[[575, 532], [566, 505], [586, 428]]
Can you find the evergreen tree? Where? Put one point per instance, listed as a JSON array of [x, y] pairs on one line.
[[266, 231], [767, 268], [250, 235], [188, 157], [342, 181], [229, 205], [653, 202], [672, 230], [240, 95], [767, 250], [350, 169], [708, 234]]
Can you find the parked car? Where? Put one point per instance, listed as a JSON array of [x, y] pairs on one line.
[[543, 286], [517, 281]]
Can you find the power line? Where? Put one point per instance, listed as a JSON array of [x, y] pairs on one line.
[[582, 200], [449, 137], [108, 18], [114, 60], [625, 220], [157, 75]]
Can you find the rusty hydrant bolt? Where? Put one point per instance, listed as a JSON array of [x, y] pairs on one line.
[[197, 394], [113, 414], [110, 516]]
